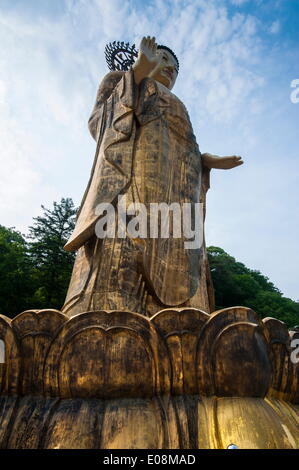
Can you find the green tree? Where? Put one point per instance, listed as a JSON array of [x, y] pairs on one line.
[[52, 264], [16, 286], [235, 284], [273, 304]]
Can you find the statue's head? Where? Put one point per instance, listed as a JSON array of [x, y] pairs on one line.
[[121, 56], [168, 71]]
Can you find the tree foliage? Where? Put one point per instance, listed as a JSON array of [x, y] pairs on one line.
[[35, 270], [235, 284], [15, 272], [52, 265]]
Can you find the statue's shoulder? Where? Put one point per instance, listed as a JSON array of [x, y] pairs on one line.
[[107, 85], [111, 78]]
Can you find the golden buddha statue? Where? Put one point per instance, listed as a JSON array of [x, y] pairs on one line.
[[147, 152], [181, 379]]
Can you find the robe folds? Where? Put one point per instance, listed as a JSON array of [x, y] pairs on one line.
[[146, 150]]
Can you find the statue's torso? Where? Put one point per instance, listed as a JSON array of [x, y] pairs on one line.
[[165, 168]]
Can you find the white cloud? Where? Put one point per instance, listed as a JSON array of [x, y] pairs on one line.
[[275, 27], [239, 2]]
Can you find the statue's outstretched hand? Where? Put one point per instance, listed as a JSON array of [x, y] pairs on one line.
[[222, 163], [148, 59]]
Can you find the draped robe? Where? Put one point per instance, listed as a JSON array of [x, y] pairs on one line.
[[146, 150]]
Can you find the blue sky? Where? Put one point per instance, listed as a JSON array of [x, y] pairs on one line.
[[237, 61]]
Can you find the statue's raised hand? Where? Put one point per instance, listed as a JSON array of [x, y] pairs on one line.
[[148, 60], [148, 52], [222, 163]]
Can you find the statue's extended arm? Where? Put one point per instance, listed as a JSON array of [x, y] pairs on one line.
[[223, 163]]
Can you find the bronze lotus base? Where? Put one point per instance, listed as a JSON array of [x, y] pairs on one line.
[[182, 379]]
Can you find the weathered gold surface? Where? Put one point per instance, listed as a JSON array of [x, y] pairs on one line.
[[182, 379]]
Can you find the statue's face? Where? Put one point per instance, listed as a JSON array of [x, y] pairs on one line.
[[168, 70]]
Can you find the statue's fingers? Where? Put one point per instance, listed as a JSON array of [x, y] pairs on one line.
[[142, 42], [154, 45]]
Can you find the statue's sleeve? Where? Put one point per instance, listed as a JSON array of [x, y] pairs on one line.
[[112, 125], [105, 90]]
